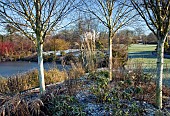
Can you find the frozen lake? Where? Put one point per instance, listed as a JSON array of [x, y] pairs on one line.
[[12, 68]]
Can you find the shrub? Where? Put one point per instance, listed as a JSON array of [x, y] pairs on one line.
[[99, 45], [69, 58], [6, 48], [49, 58], [54, 44], [138, 75], [101, 89], [119, 60], [119, 56], [63, 53], [63, 105], [95, 75], [166, 46]]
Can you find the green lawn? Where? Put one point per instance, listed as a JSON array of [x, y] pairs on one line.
[[142, 54], [141, 47]]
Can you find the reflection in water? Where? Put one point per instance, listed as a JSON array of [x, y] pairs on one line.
[[13, 68]]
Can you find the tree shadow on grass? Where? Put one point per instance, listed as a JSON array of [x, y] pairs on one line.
[[166, 81], [146, 54], [143, 54]]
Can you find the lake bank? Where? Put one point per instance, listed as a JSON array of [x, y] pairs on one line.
[[48, 56]]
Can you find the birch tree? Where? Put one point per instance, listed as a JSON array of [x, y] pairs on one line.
[[35, 19], [156, 14], [113, 14]]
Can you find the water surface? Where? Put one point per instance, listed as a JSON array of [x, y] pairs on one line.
[[12, 68]]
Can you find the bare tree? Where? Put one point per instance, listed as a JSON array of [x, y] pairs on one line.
[[113, 14], [156, 14], [35, 19]]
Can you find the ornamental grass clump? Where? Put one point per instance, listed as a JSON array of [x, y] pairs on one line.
[[29, 80], [3, 84], [17, 106], [54, 75]]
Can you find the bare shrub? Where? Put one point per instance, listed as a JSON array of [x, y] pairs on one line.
[[53, 44], [119, 55], [119, 60], [137, 74], [73, 82], [76, 71]]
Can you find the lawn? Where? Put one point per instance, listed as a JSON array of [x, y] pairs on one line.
[[142, 55], [141, 47]]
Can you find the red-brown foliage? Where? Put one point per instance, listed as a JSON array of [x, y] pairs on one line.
[[6, 48]]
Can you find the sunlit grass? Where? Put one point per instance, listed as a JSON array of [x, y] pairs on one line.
[[143, 51], [141, 47], [139, 53]]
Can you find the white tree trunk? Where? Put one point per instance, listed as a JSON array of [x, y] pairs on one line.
[[160, 61], [40, 66], [39, 38], [110, 54]]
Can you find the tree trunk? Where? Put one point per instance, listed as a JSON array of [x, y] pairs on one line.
[[39, 38], [160, 61], [110, 54], [40, 64]]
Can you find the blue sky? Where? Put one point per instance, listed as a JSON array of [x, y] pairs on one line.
[[101, 27]]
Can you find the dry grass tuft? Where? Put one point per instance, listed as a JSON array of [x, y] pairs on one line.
[[14, 106], [29, 80], [17, 106], [35, 107], [54, 75], [3, 84]]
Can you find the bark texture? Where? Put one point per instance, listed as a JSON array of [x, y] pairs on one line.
[[110, 55], [41, 68], [160, 61]]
